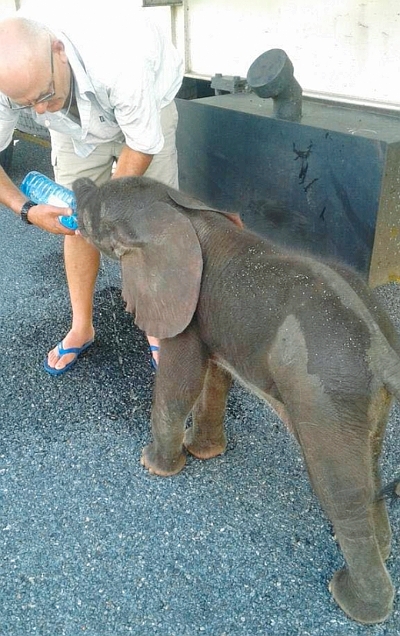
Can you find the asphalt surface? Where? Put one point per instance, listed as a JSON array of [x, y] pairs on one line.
[[89, 542]]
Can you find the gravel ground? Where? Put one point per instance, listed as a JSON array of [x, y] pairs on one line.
[[90, 543]]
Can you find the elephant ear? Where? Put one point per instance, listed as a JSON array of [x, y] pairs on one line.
[[190, 203], [162, 264], [87, 206]]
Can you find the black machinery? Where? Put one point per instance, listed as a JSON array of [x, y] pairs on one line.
[[318, 176]]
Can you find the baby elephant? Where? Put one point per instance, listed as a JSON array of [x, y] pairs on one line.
[[309, 338]]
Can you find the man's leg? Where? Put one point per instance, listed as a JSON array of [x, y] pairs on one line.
[[81, 266], [164, 166], [81, 259]]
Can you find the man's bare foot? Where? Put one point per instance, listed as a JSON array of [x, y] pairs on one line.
[[154, 349], [71, 341]]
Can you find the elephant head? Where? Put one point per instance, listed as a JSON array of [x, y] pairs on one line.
[[144, 224]]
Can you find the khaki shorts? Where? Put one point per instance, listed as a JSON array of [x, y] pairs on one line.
[[98, 165]]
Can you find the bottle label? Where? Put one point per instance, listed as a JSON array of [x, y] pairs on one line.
[[55, 200]]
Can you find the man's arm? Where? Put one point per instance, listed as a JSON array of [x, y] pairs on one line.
[[43, 216], [10, 195], [131, 163]]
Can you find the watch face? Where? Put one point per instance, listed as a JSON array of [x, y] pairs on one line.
[[24, 211]]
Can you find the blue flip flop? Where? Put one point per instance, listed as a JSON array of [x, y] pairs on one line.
[[62, 352], [153, 362]]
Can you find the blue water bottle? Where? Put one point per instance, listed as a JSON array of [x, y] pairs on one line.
[[41, 189]]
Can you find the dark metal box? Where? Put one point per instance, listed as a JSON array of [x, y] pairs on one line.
[[329, 184]]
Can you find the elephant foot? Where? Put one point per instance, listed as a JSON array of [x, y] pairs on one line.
[[374, 610], [205, 448], [156, 464]]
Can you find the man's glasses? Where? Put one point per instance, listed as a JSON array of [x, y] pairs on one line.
[[43, 98]]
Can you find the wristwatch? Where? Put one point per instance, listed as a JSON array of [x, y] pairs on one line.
[[24, 211]]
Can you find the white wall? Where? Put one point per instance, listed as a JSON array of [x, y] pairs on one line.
[[347, 48], [341, 47], [7, 8]]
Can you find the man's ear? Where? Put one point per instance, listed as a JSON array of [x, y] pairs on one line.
[[58, 48]]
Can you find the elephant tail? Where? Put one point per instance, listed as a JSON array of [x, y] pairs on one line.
[[390, 490], [390, 373]]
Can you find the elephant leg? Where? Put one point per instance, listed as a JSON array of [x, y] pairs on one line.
[[341, 467], [382, 528], [379, 412], [206, 437], [179, 382]]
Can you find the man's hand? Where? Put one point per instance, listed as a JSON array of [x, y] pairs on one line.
[[131, 163], [46, 218]]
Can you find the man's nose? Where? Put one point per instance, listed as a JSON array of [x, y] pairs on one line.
[[41, 108]]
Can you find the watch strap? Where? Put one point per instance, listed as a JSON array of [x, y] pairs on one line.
[[24, 211]]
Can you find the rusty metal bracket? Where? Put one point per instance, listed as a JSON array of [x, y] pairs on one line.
[[160, 3], [228, 83]]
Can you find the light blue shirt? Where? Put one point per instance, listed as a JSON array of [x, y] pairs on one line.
[[121, 84]]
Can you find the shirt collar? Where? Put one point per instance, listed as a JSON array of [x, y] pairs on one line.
[[82, 79]]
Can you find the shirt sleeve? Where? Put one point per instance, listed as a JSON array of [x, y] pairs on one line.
[[8, 122], [137, 109]]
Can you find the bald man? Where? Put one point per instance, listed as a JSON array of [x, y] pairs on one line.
[[108, 103]]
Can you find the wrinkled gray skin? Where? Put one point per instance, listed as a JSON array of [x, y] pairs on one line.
[[308, 338]]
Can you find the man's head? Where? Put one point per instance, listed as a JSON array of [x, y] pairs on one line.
[[34, 68]]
